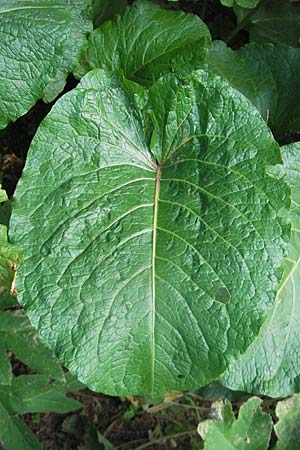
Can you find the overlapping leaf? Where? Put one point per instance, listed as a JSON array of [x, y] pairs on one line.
[[10, 255], [147, 41], [17, 336], [275, 21], [251, 431], [268, 75], [42, 392], [14, 434], [154, 243], [287, 427], [30, 393], [106, 9], [40, 43], [271, 365]]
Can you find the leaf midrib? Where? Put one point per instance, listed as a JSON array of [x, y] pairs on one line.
[[154, 238], [22, 8]]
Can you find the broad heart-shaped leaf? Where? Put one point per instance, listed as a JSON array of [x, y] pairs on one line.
[[275, 21], [152, 236], [40, 43], [106, 9], [271, 365], [287, 427], [242, 3], [147, 41], [268, 75], [251, 431]]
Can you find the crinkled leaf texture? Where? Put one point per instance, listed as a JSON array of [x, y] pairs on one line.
[[147, 41], [251, 431], [152, 234], [287, 427], [40, 43], [268, 75], [271, 365], [275, 21]]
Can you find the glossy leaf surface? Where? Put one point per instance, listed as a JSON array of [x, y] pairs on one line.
[[153, 240], [271, 365], [268, 75], [40, 43], [147, 41]]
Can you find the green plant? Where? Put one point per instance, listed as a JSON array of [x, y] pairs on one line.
[[45, 387], [157, 212]]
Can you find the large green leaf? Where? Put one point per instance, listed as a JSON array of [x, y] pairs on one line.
[[40, 43], [152, 235], [147, 41], [251, 431], [276, 21], [287, 428], [268, 75], [271, 364]]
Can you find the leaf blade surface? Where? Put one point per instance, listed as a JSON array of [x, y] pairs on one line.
[[152, 215]]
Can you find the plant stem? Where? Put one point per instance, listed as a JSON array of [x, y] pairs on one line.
[[203, 10], [170, 436], [243, 22]]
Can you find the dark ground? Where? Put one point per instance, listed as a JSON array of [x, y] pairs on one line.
[[125, 422]]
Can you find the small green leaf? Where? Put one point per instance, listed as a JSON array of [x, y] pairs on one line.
[[14, 434], [105, 442], [147, 41], [40, 43], [38, 393], [271, 365], [268, 75], [141, 213], [251, 431], [17, 336], [11, 256], [242, 3], [275, 21], [7, 300], [3, 195], [287, 428]]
